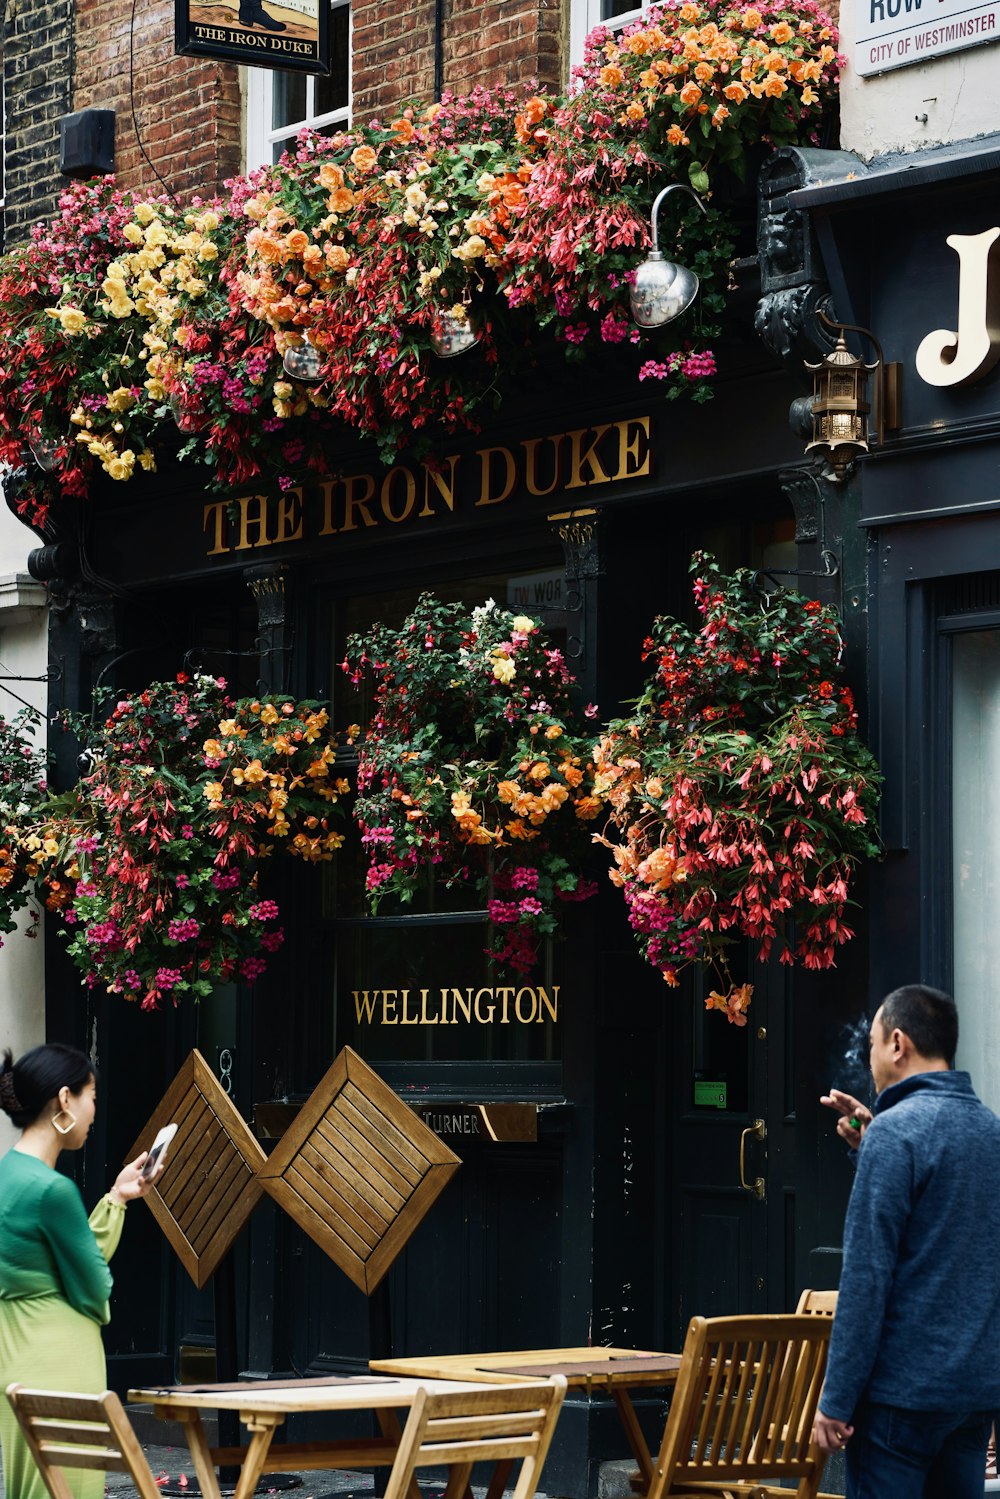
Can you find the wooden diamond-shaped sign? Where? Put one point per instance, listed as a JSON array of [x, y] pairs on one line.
[[209, 1187], [358, 1170]]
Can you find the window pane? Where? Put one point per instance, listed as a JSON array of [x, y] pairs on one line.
[[612, 8], [288, 99], [331, 93], [417, 993], [976, 853]]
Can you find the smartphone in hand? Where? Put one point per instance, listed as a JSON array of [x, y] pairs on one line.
[[156, 1150]]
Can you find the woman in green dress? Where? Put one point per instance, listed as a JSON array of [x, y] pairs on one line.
[[54, 1276]]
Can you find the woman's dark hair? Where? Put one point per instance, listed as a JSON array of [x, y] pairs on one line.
[[28, 1084]]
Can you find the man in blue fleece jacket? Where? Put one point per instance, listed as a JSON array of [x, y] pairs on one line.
[[913, 1378]]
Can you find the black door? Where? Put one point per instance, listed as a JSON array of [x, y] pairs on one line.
[[731, 1192]]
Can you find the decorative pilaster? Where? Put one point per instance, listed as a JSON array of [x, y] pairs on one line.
[[580, 533]]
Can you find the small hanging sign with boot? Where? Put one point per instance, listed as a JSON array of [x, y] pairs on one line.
[[285, 34]]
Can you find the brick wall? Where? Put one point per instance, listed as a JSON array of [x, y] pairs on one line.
[[188, 110], [484, 41], [37, 63]]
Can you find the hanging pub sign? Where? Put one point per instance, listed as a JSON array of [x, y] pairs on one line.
[[285, 34]]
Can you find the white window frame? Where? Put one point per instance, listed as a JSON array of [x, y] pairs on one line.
[[584, 15], [261, 137]]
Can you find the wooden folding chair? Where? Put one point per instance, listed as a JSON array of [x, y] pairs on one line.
[[494, 1424], [818, 1303], [79, 1431], [741, 1417]]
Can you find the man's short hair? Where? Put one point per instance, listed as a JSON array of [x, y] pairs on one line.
[[928, 1016]]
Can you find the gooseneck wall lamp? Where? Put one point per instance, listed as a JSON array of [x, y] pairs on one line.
[[841, 429], [661, 290]]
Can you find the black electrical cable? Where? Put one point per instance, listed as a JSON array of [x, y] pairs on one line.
[[131, 100]]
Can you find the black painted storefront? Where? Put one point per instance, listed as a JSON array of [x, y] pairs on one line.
[[626, 1215]]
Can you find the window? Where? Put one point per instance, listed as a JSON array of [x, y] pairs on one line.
[[279, 104], [414, 984], [976, 851], [586, 14]]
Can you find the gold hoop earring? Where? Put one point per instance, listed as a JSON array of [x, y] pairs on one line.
[[63, 1129]]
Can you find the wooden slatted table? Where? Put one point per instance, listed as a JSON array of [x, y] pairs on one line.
[[210, 1186], [615, 1370], [262, 1408], [357, 1170]]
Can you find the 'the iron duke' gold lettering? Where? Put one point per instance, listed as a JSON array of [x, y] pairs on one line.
[[486, 478]]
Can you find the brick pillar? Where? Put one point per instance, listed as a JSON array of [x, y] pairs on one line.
[[37, 64]]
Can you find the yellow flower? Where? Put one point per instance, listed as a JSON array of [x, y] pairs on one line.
[[269, 714], [472, 248], [121, 399], [213, 750], [523, 624], [504, 669], [121, 467], [213, 794], [70, 319], [133, 234], [252, 774], [144, 213], [147, 461]]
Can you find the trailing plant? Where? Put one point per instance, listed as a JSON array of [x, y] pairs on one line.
[[130, 316], [190, 794], [23, 791], [741, 796], [475, 770]]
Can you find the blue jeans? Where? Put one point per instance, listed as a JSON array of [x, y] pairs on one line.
[[904, 1454]]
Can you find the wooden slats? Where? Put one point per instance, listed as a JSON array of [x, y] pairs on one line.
[[747, 1394], [357, 1170], [209, 1187], [497, 1423], [79, 1431]]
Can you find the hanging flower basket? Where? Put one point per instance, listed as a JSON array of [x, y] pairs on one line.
[[742, 799], [152, 861], [307, 305], [475, 771]]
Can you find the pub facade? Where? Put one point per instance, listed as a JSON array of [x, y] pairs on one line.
[[628, 1159]]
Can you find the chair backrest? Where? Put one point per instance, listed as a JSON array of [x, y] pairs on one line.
[[747, 1392], [817, 1303], [492, 1423], [65, 1430]]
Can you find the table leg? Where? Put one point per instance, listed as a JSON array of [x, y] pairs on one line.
[[262, 1428], [498, 1482], [389, 1426], [194, 1432], [634, 1433]]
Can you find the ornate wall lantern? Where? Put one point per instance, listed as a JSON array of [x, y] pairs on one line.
[[841, 430], [661, 290]]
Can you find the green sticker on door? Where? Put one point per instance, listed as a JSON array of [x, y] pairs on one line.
[[709, 1095]]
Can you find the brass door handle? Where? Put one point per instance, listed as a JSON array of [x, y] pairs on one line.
[[759, 1131]]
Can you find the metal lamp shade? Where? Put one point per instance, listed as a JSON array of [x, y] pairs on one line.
[[302, 361], [451, 335], [661, 291], [45, 451]]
